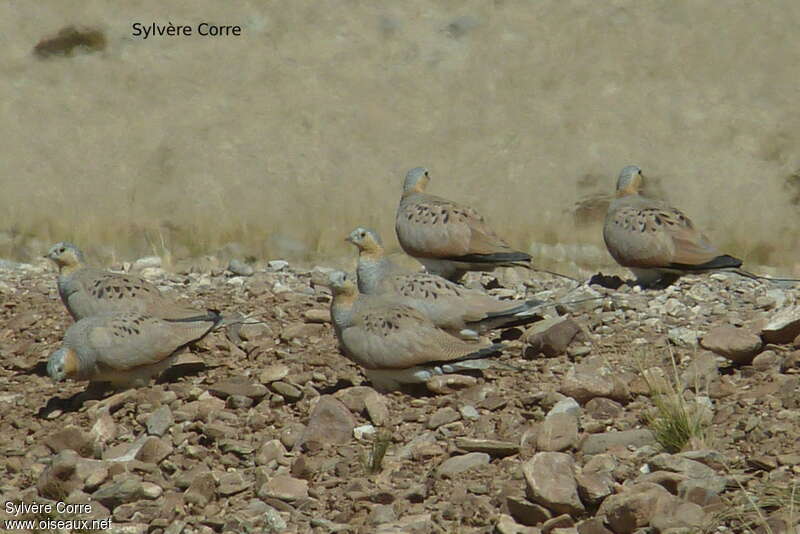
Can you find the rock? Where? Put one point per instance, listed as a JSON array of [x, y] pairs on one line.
[[458, 464], [235, 446], [410, 524], [147, 262], [736, 344], [238, 402], [287, 391], [202, 490], [673, 512], [550, 479], [632, 509], [240, 268], [317, 316], [443, 416], [292, 434], [151, 491], [154, 450], [238, 386], [92, 472], [104, 429], [666, 479], [124, 488], [469, 412], [159, 421], [330, 422], [599, 443], [364, 432], [60, 479], [585, 387], [506, 525], [699, 492], [558, 432], [449, 383], [380, 514], [551, 337], [702, 371], [683, 336], [526, 512], [277, 265], [273, 373], [594, 525], [603, 408], [302, 331], [376, 407], [593, 487], [567, 405], [231, 484], [782, 327], [492, 447], [270, 451], [679, 464], [71, 437], [560, 523], [284, 488], [254, 331], [768, 360]]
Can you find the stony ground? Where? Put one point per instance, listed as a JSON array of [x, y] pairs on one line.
[[266, 428]]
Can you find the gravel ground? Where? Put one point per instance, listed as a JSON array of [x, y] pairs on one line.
[[265, 427]]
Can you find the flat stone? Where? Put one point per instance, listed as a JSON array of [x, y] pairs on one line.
[[594, 525], [492, 447], [506, 525], [567, 405], [679, 464], [202, 490], [380, 514], [273, 373], [458, 464], [603, 408], [302, 330], [287, 391], [550, 479], [593, 487], [584, 387], [449, 383], [561, 523], [124, 488], [284, 488], [632, 509], [599, 443], [330, 422], [238, 386], [159, 421], [104, 428], [231, 484], [154, 450], [71, 437], [376, 407], [558, 432], [240, 268], [767, 360], [237, 447], [782, 327], [672, 512], [736, 344], [317, 316], [270, 451], [551, 337], [443, 416], [527, 512]]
